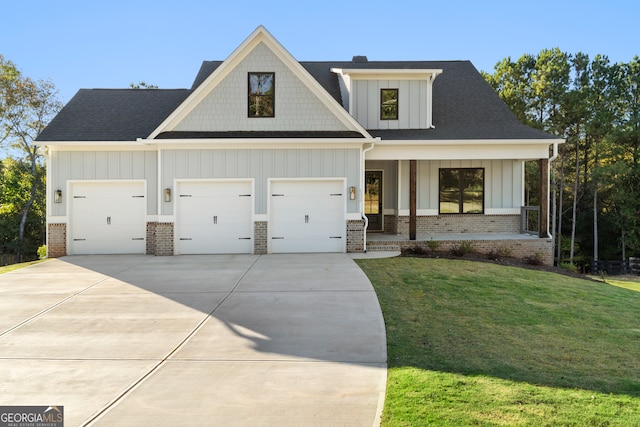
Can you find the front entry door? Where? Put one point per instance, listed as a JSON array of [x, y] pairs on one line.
[[373, 199]]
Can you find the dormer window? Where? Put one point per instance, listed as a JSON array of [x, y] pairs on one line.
[[262, 94], [388, 104]]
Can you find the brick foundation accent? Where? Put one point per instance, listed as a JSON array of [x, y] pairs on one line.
[[57, 240], [391, 224], [460, 224], [151, 238], [260, 237], [163, 239], [355, 235]]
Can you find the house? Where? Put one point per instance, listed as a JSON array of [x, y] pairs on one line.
[[265, 154]]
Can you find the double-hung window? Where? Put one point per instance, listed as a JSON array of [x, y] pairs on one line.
[[262, 89], [461, 191]]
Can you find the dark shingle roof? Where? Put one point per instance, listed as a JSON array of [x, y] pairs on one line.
[[113, 114], [464, 106]]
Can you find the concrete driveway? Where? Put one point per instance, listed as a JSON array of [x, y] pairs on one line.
[[270, 340]]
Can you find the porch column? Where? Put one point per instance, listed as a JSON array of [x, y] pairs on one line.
[[544, 198], [413, 166]]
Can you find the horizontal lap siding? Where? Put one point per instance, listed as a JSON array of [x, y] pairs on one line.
[[260, 165], [103, 165]]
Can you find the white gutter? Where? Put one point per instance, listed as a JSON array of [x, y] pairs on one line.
[[363, 187]]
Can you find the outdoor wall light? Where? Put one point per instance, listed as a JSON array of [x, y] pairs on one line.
[[352, 193], [167, 195], [57, 196]]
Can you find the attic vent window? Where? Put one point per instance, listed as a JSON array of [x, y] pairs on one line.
[[262, 88]]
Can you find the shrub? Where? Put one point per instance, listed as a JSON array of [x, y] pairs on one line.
[[433, 245], [498, 253], [536, 259], [42, 252], [462, 249], [568, 266]]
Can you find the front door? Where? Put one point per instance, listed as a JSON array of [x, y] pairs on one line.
[[373, 199]]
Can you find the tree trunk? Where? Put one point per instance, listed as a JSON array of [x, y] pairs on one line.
[[595, 206], [32, 196]]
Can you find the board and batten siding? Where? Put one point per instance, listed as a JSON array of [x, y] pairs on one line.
[[503, 182], [296, 107], [260, 165], [412, 103], [103, 165]]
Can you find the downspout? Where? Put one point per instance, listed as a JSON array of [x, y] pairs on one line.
[[551, 159], [363, 187]]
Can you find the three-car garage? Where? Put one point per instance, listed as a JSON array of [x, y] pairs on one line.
[[211, 216]]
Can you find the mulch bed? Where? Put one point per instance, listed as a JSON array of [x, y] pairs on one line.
[[531, 264]]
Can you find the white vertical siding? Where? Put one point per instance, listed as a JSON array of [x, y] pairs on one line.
[[412, 106], [103, 165], [260, 165]]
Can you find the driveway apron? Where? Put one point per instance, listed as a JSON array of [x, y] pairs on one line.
[[284, 340]]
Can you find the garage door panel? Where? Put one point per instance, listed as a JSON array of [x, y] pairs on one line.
[[215, 217], [307, 216], [107, 218]]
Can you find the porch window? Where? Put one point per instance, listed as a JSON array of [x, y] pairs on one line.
[[461, 191], [388, 104], [262, 94]]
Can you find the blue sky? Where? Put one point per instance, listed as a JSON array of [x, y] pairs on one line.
[[109, 44]]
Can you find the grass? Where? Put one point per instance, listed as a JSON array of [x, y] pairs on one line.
[[11, 267], [481, 344]]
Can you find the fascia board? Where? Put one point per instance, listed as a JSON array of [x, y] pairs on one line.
[[471, 142], [388, 74], [262, 143], [447, 151], [96, 145]]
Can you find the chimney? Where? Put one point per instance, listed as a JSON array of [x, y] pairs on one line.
[[360, 58]]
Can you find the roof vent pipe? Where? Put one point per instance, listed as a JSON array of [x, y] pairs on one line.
[[360, 58]]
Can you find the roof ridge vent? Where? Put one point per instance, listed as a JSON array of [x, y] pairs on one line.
[[360, 58]]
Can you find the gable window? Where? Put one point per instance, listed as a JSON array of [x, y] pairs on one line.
[[262, 94], [388, 104], [461, 191]]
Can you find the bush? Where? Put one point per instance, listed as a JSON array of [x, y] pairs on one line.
[[462, 249], [498, 253], [433, 245], [569, 267], [536, 259], [42, 252]]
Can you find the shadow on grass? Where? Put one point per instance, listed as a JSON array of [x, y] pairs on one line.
[[528, 326]]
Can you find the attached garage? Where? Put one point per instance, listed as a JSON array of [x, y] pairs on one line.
[[307, 216], [107, 217], [214, 217]]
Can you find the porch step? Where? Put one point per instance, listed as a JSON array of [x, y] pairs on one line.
[[382, 246]]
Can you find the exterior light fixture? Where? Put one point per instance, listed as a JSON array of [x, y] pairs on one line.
[[352, 193], [57, 196], [167, 195]]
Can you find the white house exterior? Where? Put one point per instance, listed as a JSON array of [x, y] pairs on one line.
[[265, 154]]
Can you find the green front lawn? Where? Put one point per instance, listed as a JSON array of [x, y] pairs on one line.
[[481, 344]]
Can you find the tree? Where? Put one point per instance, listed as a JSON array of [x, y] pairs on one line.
[[26, 107], [142, 85]]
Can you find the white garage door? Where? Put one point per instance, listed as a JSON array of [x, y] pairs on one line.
[[214, 217], [307, 216], [107, 218]]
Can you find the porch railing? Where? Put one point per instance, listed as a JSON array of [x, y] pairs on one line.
[[530, 219]]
